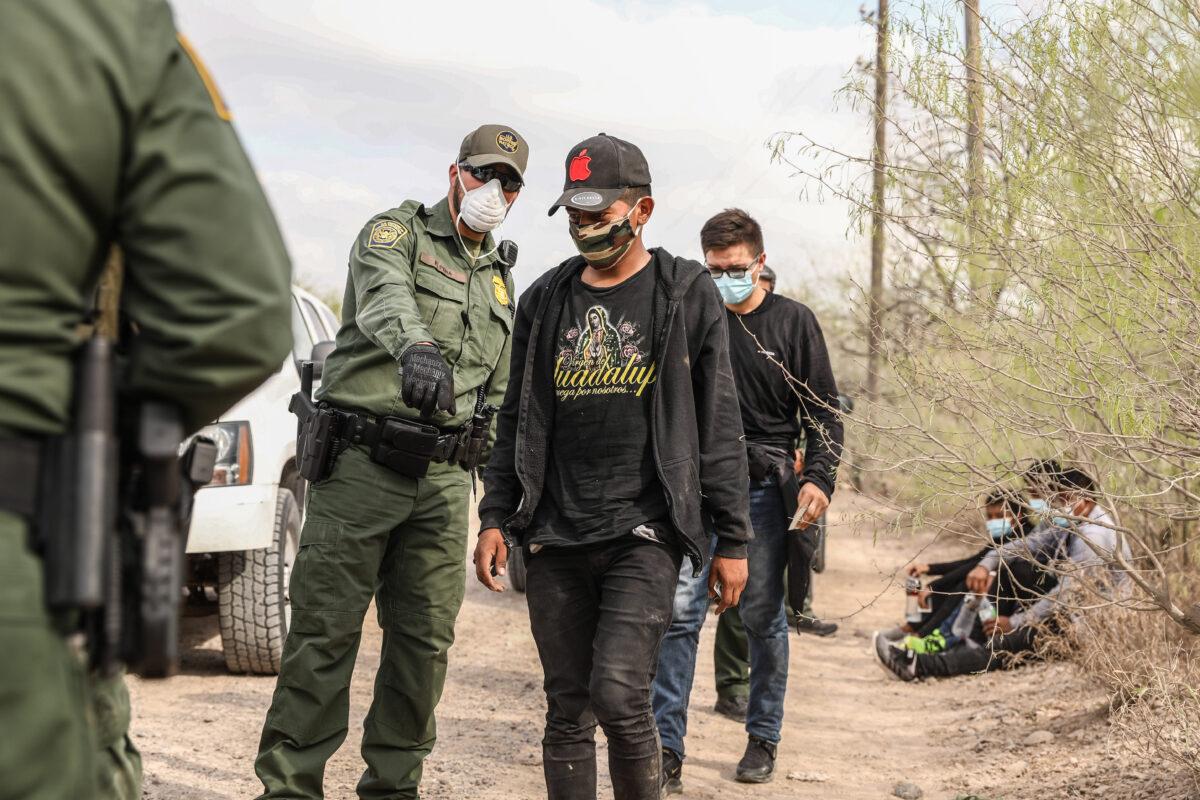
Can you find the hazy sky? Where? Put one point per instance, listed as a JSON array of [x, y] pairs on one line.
[[349, 107]]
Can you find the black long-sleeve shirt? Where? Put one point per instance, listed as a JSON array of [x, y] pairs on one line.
[[776, 408]]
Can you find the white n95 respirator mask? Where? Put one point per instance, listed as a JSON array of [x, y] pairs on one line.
[[482, 208]]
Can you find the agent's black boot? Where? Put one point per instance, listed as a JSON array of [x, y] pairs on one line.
[[817, 627], [734, 707]]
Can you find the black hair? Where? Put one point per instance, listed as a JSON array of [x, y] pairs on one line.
[[634, 193], [1041, 468], [1076, 481], [730, 228], [1041, 475], [1014, 504]]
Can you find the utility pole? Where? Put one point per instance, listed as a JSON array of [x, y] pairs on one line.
[[974, 144], [875, 306]]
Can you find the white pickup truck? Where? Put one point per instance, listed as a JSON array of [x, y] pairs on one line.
[[245, 527]]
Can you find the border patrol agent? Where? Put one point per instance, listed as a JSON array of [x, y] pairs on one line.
[[425, 339], [112, 134]]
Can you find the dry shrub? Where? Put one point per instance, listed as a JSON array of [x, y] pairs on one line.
[[1152, 668]]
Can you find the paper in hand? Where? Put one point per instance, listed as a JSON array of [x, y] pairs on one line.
[[800, 512]]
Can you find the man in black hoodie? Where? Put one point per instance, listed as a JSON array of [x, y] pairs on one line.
[[618, 435]]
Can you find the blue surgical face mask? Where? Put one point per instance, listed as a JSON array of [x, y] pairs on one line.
[[1067, 507], [999, 528], [735, 290]]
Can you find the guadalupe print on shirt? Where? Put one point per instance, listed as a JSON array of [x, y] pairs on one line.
[[601, 480], [600, 357]]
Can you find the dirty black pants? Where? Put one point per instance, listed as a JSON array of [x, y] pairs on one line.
[[598, 616], [1001, 652]]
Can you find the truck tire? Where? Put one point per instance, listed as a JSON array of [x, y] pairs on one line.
[[516, 569], [252, 590]]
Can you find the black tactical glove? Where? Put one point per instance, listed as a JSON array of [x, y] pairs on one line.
[[426, 382]]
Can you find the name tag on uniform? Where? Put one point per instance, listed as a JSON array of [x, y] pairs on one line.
[[451, 273]]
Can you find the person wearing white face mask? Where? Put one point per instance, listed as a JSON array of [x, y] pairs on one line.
[[423, 349]]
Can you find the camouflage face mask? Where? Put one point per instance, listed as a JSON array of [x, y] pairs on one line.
[[603, 244]]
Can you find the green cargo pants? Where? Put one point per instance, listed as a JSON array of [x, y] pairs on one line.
[[118, 766], [66, 732], [369, 532], [731, 656]]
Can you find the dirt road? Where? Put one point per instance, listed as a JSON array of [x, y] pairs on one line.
[[849, 731]]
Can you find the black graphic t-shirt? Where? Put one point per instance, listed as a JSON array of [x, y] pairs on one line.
[[601, 482]]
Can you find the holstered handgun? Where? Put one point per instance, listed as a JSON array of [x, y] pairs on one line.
[[316, 431], [481, 423]]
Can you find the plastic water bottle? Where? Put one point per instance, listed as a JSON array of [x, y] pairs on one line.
[[987, 609], [965, 621], [913, 613]]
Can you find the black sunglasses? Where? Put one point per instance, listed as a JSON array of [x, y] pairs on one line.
[[508, 181]]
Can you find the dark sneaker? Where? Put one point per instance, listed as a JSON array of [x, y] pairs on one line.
[[758, 762], [815, 626], [672, 776], [897, 663], [733, 707]]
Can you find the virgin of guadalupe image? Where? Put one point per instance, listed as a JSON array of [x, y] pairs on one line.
[[600, 345]]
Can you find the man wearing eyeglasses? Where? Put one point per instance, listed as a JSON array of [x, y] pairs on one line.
[[424, 345], [785, 387]]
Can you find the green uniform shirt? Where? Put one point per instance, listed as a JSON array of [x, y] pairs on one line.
[[112, 132], [411, 282]]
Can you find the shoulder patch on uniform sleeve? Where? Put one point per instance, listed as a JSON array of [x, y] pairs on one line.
[[386, 233]]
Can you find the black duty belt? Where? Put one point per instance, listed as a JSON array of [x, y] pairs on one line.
[[20, 470], [364, 429]]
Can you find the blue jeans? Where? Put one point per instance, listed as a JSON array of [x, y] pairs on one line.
[[766, 625]]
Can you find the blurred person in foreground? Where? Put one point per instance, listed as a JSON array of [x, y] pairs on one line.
[[113, 140]]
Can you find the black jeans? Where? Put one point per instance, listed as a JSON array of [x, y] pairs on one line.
[[1001, 652], [1018, 581], [598, 616]]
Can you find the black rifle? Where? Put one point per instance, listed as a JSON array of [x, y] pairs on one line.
[[112, 546]]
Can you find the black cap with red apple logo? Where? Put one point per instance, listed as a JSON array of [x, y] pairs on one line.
[[599, 170]]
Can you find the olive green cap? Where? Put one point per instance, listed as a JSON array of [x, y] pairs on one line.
[[495, 144]]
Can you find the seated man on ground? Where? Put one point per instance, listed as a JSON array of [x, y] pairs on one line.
[[1082, 535], [1007, 517]]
